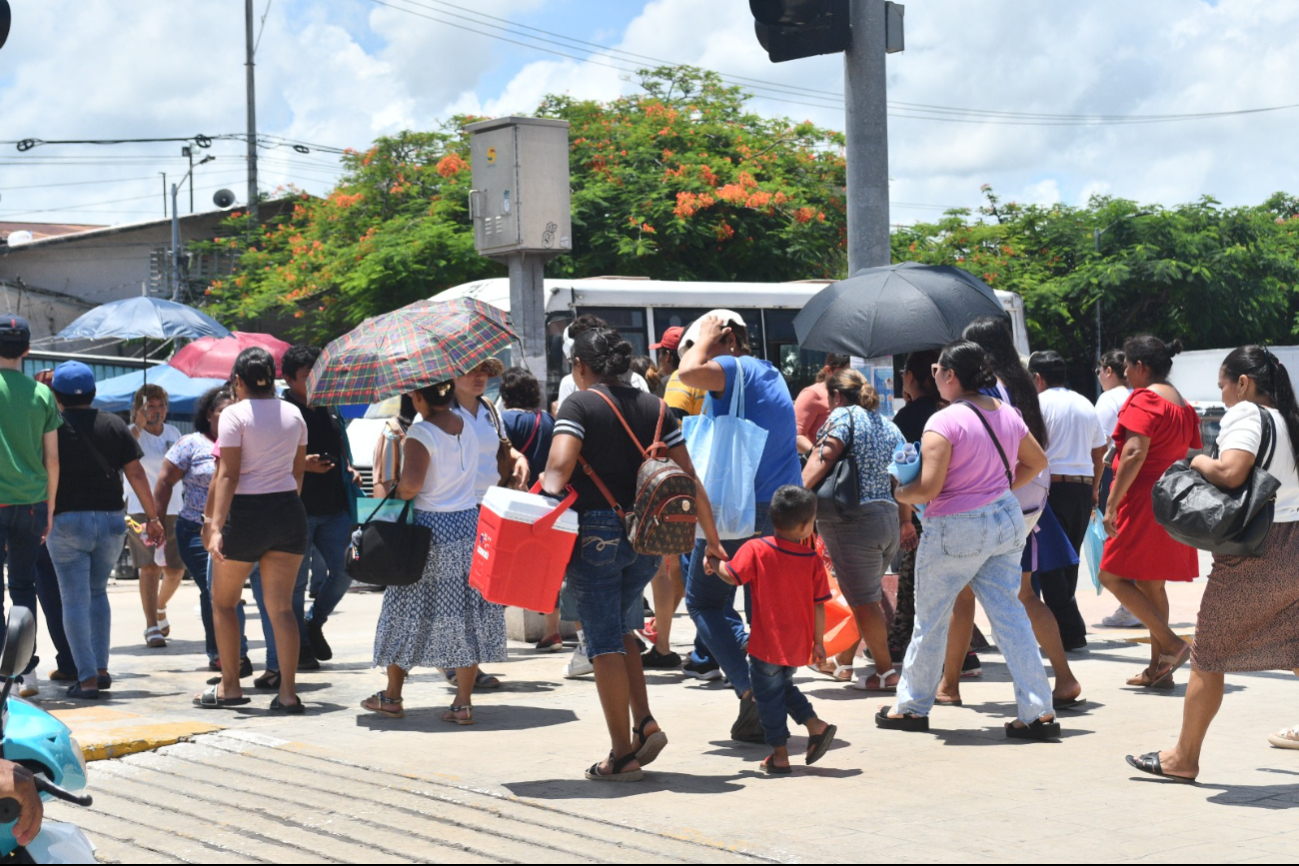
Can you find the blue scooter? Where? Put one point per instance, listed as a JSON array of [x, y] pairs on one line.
[[41, 743]]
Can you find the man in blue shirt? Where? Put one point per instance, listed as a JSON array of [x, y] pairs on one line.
[[715, 347]]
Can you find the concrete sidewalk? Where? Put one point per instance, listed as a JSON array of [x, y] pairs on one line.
[[960, 793]]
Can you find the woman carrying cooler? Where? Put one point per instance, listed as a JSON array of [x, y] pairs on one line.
[[974, 453], [1155, 428], [862, 546], [257, 519], [606, 575], [439, 621], [1249, 614]]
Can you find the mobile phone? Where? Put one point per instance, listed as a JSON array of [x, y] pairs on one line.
[[328, 458]]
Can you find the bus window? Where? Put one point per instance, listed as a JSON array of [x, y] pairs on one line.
[[628, 321], [671, 317], [799, 366]]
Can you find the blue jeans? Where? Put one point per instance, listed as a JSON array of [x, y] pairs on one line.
[[331, 534], [980, 548], [84, 547], [21, 527], [777, 696], [606, 577], [47, 590], [189, 540], [710, 601]]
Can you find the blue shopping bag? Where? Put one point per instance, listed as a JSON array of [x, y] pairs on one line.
[[726, 451], [1094, 546]]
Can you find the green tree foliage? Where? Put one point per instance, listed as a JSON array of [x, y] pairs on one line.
[[675, 182], [1212, 276]]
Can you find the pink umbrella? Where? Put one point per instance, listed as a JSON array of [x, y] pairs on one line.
[[214, 358]]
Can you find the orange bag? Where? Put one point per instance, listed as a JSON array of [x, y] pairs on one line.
[[840, 627]]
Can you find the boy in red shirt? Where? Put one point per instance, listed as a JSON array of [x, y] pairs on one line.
[[789, 589]]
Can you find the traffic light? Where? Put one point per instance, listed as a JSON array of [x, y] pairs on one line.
[[4, 21], [790, 29]]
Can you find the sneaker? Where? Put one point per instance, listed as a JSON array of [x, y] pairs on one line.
[[552, 644], [971, 667], [702, 670], [316, 638], [655, 660], [578, 664], [1121, 618], [29, 685]]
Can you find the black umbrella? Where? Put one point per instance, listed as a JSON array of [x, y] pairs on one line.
[[896, 309]]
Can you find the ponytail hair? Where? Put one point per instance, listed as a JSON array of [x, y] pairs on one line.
[[1269, 375], [855, 389], [969, 363], [1114, 359], [256, 369]]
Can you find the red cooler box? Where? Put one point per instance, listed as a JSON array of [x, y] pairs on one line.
[[523, 546]]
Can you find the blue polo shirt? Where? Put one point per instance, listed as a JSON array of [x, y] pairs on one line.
[[766, 403]]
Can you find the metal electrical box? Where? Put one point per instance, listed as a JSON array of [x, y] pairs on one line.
[[520, 201]]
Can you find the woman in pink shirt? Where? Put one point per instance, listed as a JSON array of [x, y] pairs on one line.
[[257, 518]]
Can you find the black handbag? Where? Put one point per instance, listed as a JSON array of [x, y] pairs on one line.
[[388, 554], [1224, 522], [838, 496]]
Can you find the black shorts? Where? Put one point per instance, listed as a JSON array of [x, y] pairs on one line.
[[265, 522]]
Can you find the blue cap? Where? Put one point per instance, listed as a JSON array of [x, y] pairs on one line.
[[73, 377], [14, 329]]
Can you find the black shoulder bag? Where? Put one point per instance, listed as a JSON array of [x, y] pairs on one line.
[[388, 554], [1224, 522], [838, 496], [89, 440]]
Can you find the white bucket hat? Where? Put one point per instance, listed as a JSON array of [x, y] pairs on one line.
[[691, 335]]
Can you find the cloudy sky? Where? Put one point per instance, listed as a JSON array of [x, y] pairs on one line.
[[340, 72]]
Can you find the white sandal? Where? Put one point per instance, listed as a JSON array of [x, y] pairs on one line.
[[878, 682], [1286, 738], [840, 673], [163, 625], [153, 637]]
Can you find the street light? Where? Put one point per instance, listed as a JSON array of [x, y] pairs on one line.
[[175, 222], [1096, 240]]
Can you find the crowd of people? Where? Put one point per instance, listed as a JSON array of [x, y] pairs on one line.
[[1013, 466]]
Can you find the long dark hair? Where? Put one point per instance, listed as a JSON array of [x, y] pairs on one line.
[[1271, 378], [994, 335]]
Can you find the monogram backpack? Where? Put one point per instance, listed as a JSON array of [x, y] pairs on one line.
[[662, 520]]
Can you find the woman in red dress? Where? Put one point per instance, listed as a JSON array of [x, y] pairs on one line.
[[1155, 428]]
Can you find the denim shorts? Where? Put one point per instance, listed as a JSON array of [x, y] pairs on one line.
[[606, 577]]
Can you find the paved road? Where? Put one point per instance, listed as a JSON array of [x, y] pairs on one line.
[[342, 785]]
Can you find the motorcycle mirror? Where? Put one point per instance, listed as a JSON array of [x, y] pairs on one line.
[[20, 643]]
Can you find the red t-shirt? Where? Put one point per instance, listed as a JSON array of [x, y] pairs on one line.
[[788, 580]]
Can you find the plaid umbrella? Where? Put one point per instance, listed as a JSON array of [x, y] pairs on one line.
[[421, 344]]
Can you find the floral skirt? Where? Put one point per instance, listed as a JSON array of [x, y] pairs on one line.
[[441, 621]]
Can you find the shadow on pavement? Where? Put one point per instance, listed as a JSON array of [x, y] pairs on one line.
[[997, 737], [1274, 797], [576, 789], [491, 717], [173, 647]]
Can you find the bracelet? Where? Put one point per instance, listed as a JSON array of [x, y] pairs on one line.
[[152, 519]]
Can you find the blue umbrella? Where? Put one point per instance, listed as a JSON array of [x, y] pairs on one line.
[[115, 394], [150, 318]]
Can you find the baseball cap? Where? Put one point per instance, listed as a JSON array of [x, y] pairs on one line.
[[729, 316], [671, 338], [14, 329], [73, 377]]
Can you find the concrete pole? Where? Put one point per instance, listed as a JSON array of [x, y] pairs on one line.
[[865, 92], [528, 310], [175, 245], [252, 110]]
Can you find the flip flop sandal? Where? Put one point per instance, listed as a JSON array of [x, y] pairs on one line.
[[819, 744], [908, 722], [1286, 738], [1170, 663], [944, 702], [1067, 703], [294, 709], [771, 768], [153, 637], [377, 701], [618, 775], [1038, 730], [163, 625], [1149, 763], [650, 746], [269, 680], [878, 682], [209, 700], [450, 715], [1143, 680]]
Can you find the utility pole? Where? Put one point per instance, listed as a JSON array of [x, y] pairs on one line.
[[867, 128], [188, 153], [252, 110], [164, 193]]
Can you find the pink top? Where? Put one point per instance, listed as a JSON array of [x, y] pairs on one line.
[[975, 476], [269, 431]]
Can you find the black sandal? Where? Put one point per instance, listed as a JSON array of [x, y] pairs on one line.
[[908, 722], [269, 681], [295, 709], [594, 774], [819, 744], [1149, 763], [771, 768], [1038, 730], [650, 746]]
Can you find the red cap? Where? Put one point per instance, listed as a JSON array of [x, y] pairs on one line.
[[671, 339]]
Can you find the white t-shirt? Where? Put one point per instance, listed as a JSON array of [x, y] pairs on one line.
[[155, 448], [1242, 430], [1072, 431], [452, 470], [567, 387], [1108, 406], [487, 442]]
